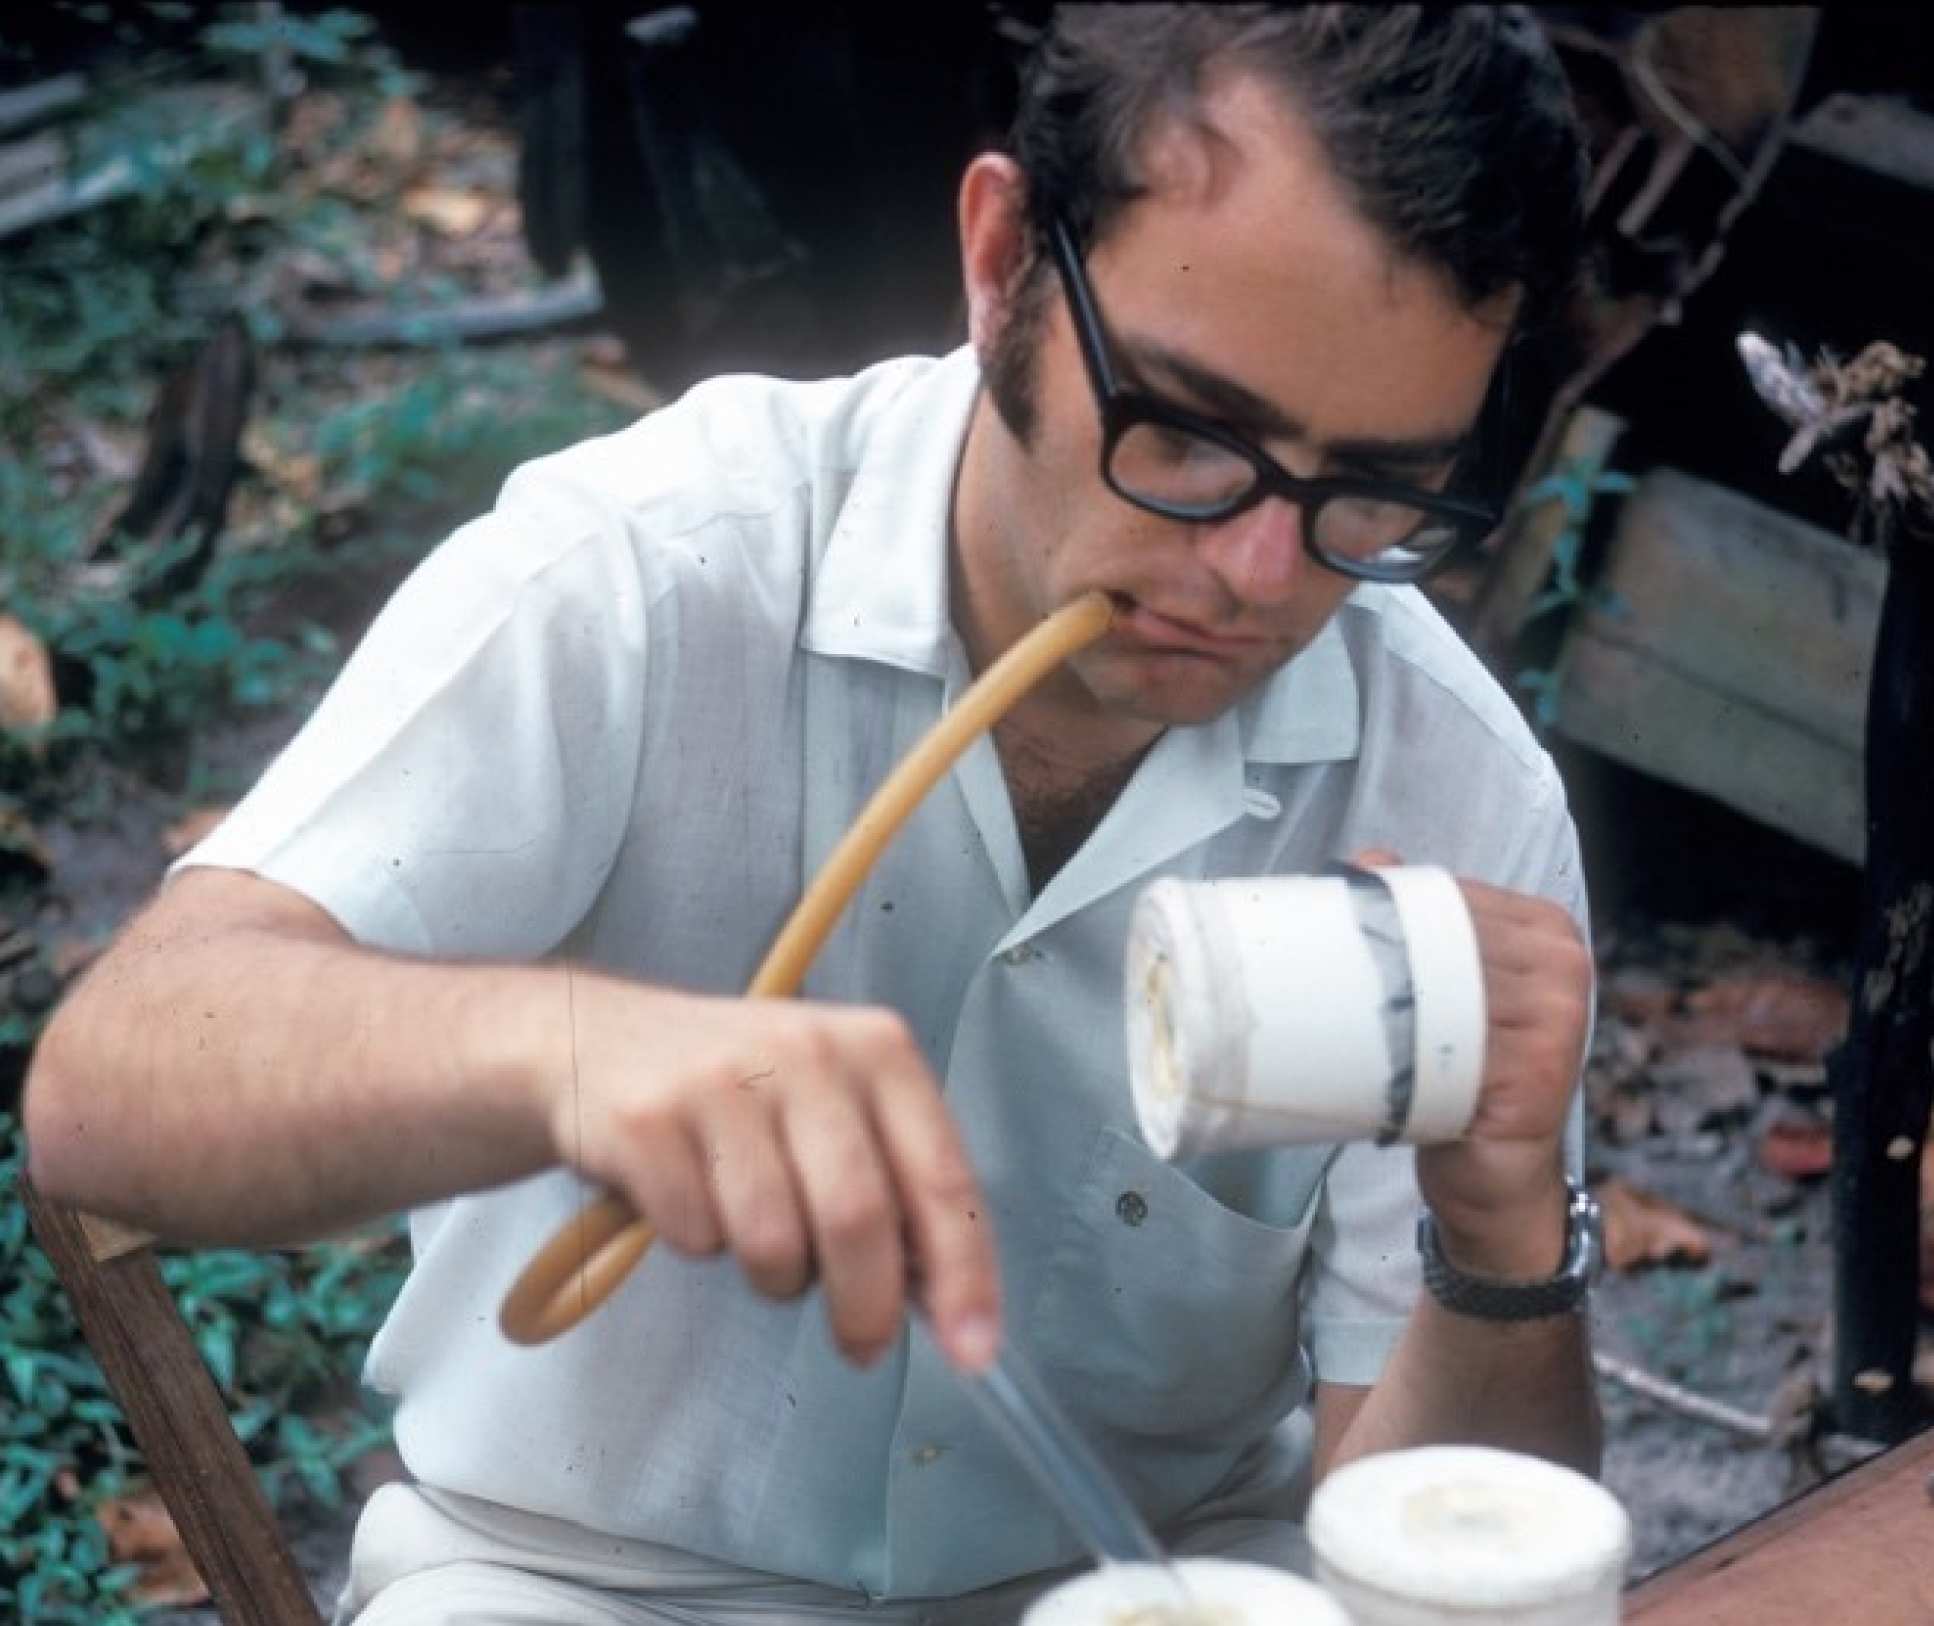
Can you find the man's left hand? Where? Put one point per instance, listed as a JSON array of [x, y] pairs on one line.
[[1498, 1193]]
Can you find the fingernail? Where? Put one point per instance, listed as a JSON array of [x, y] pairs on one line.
[[976, 1341]]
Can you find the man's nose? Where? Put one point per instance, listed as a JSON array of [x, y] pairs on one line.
[[1259, 554]]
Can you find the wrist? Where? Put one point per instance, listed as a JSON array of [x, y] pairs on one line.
[[1523, 1240], [1491, 1294], [520, 1032]]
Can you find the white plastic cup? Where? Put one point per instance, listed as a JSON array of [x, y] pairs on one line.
[[1258, 1012], [1470, 1535], [1221, 1592]]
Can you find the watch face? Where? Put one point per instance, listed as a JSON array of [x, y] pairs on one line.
[[1587, 1218]]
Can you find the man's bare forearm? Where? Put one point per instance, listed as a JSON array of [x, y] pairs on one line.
[[227, 1076], [1453, 1380], [235, 1069]]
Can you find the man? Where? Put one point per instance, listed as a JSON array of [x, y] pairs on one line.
[[487, 914]]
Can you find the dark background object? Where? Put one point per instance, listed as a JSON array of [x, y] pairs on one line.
[[1883, 1076], [758, 187]]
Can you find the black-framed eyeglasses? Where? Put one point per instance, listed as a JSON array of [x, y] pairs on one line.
[[1172, 462]]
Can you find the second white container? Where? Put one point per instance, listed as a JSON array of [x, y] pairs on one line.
[[1471, 1536]]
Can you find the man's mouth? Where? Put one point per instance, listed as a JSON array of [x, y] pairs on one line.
[[1151, 628]]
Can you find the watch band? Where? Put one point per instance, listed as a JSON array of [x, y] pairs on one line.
[[1491, 1298]]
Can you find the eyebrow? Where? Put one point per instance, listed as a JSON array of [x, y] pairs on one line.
[[1245, 409]]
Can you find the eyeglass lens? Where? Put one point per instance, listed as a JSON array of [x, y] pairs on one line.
[[1189, 476]]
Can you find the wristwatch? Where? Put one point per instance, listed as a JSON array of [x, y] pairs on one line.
[[1491, 1298]]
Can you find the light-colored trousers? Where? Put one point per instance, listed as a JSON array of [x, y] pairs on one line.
[[429, 1558]]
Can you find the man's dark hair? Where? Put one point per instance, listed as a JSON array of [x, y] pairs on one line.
[[1451, 128]]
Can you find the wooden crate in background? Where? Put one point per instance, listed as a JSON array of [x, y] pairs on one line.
[[1730, 655]]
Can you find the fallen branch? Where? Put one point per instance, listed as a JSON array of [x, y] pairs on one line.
[[1788, 1424], [219, 113], [1769, 1429], [1688, 1403], [494, 316], [32, 103]]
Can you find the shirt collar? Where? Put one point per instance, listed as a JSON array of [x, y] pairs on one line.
[[1309, 711], [880, 591]]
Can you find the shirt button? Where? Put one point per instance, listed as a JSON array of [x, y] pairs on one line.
[[1131, 1207], [1019, 954], [927, 1456]]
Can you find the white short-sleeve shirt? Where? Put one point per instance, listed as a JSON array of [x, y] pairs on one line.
[[622, 718]]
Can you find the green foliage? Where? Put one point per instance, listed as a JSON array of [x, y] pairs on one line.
[[163, 670], [445, 437], [1687, 1330], [330, 37], [93, 311], [1577, 486], [283, 1333], [94, 306]]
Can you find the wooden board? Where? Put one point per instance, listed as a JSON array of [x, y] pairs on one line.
[[1731, 657], [176, 1412], [1860, 1549]]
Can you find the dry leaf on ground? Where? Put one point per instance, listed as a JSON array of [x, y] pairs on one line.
[[311, 119], [620, 386], [1698, 1086], [113, 453], [1799, 1148], [188, 830], [397, 136], [298, 473], [1784, 1016], [21, 846], [1642, 1228], [1638, 995], [453, 211], [27, 698], [140, 1530]]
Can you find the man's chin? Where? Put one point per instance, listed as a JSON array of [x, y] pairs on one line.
[[1182, 693]]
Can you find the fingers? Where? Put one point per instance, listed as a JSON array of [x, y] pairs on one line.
[[667, 1182], [853, 1215], [1538, 989], [946, 1211], [751, 1180], [830, 1156]]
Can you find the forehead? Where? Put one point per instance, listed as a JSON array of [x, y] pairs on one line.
[[1247, 253]]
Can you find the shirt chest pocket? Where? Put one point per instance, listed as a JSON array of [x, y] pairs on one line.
[[1163, 1315]]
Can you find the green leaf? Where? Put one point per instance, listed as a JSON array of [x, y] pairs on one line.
[[214, 640], [252, 1419], [320, 1480], [20, 1373], [98, 1411], [217, 1345]]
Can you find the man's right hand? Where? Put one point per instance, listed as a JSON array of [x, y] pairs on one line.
[[806, 1139]]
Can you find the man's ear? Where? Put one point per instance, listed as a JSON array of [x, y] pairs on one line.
[[993, 242]]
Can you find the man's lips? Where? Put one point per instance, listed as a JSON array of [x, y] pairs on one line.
[[1157, 631]]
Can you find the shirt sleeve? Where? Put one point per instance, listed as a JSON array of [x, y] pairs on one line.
[[1364, 1276], [465, 784]]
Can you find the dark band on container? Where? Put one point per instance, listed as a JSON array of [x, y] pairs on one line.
[[1375, 907]]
